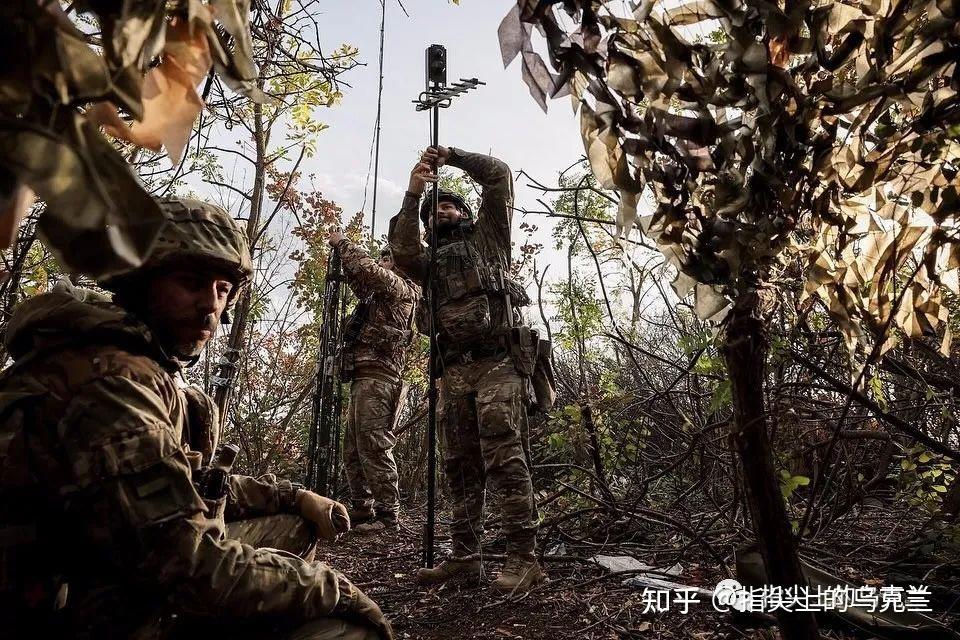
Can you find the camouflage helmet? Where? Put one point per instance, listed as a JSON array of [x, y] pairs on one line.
[[195, 232], [444, 196]]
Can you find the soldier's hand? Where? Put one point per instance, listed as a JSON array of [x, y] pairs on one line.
[[329, 516], [334, 237], [436, 156], [422, 174], [357, 607]]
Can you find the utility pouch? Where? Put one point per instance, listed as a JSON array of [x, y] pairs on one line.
[[473, 280], [523, 349], [453, 286], [464, 321], [542, 381]]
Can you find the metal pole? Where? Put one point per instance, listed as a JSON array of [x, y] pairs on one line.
[[434, 359], [437, 95]]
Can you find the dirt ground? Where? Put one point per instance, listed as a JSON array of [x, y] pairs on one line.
[[581, 600]]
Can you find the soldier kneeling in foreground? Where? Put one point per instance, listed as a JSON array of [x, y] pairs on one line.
[[103, 533]]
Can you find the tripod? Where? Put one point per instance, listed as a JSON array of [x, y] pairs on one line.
[[436, 96]]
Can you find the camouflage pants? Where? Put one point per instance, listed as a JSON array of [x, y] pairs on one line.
[[483, 427], [371, 469], [285, 531]]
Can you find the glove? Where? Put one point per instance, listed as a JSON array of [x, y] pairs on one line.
[[329, 516], [355, 606]]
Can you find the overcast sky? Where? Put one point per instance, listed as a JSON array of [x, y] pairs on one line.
[[500, 118]]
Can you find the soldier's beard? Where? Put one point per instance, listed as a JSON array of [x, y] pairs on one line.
[[192, 347], [183, 339]]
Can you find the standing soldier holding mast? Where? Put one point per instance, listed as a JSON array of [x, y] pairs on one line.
[[487, 357], [377, 336]]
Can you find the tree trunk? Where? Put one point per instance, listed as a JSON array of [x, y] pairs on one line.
[[586, 418], [745, 351], [227, 368]]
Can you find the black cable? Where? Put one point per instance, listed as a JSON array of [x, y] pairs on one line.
[[376, 158]]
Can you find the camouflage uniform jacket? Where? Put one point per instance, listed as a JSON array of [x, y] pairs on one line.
[[96, 489], [473, 260], [390, 301]]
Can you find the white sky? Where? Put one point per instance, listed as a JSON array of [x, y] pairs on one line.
[[500, 118]]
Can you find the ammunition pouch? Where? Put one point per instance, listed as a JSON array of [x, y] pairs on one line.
[[542, 381], [464, 310], [531, 357], [464, 320], [524, 342]]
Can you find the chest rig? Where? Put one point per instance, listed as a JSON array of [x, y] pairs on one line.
[[475, 297]]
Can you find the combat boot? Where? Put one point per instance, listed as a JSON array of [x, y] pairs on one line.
[[520, 573], [381, 523], [449, 568], [360, 512]]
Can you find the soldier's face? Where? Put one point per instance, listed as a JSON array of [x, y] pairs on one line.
[[447, 213], [184, 307], [386, 262]]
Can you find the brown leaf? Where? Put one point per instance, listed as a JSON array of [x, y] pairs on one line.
[[170, 100], [514, 36], [98, 220]]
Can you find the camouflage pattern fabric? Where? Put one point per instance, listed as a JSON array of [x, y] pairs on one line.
[[491, 233], [483, 400], [468, 258], [392, 298], [482, 430], [96, 479], [258, 511], [286, 532], [375, 403], [247, 497], [197, 232]]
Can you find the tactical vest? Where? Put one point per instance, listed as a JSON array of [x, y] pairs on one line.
[[474, 298], [383, 339]]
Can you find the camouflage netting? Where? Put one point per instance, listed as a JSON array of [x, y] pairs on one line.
[[760, 131], [65, 84]]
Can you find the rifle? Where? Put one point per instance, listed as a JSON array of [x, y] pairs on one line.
[[436, 96], [323, 460]]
